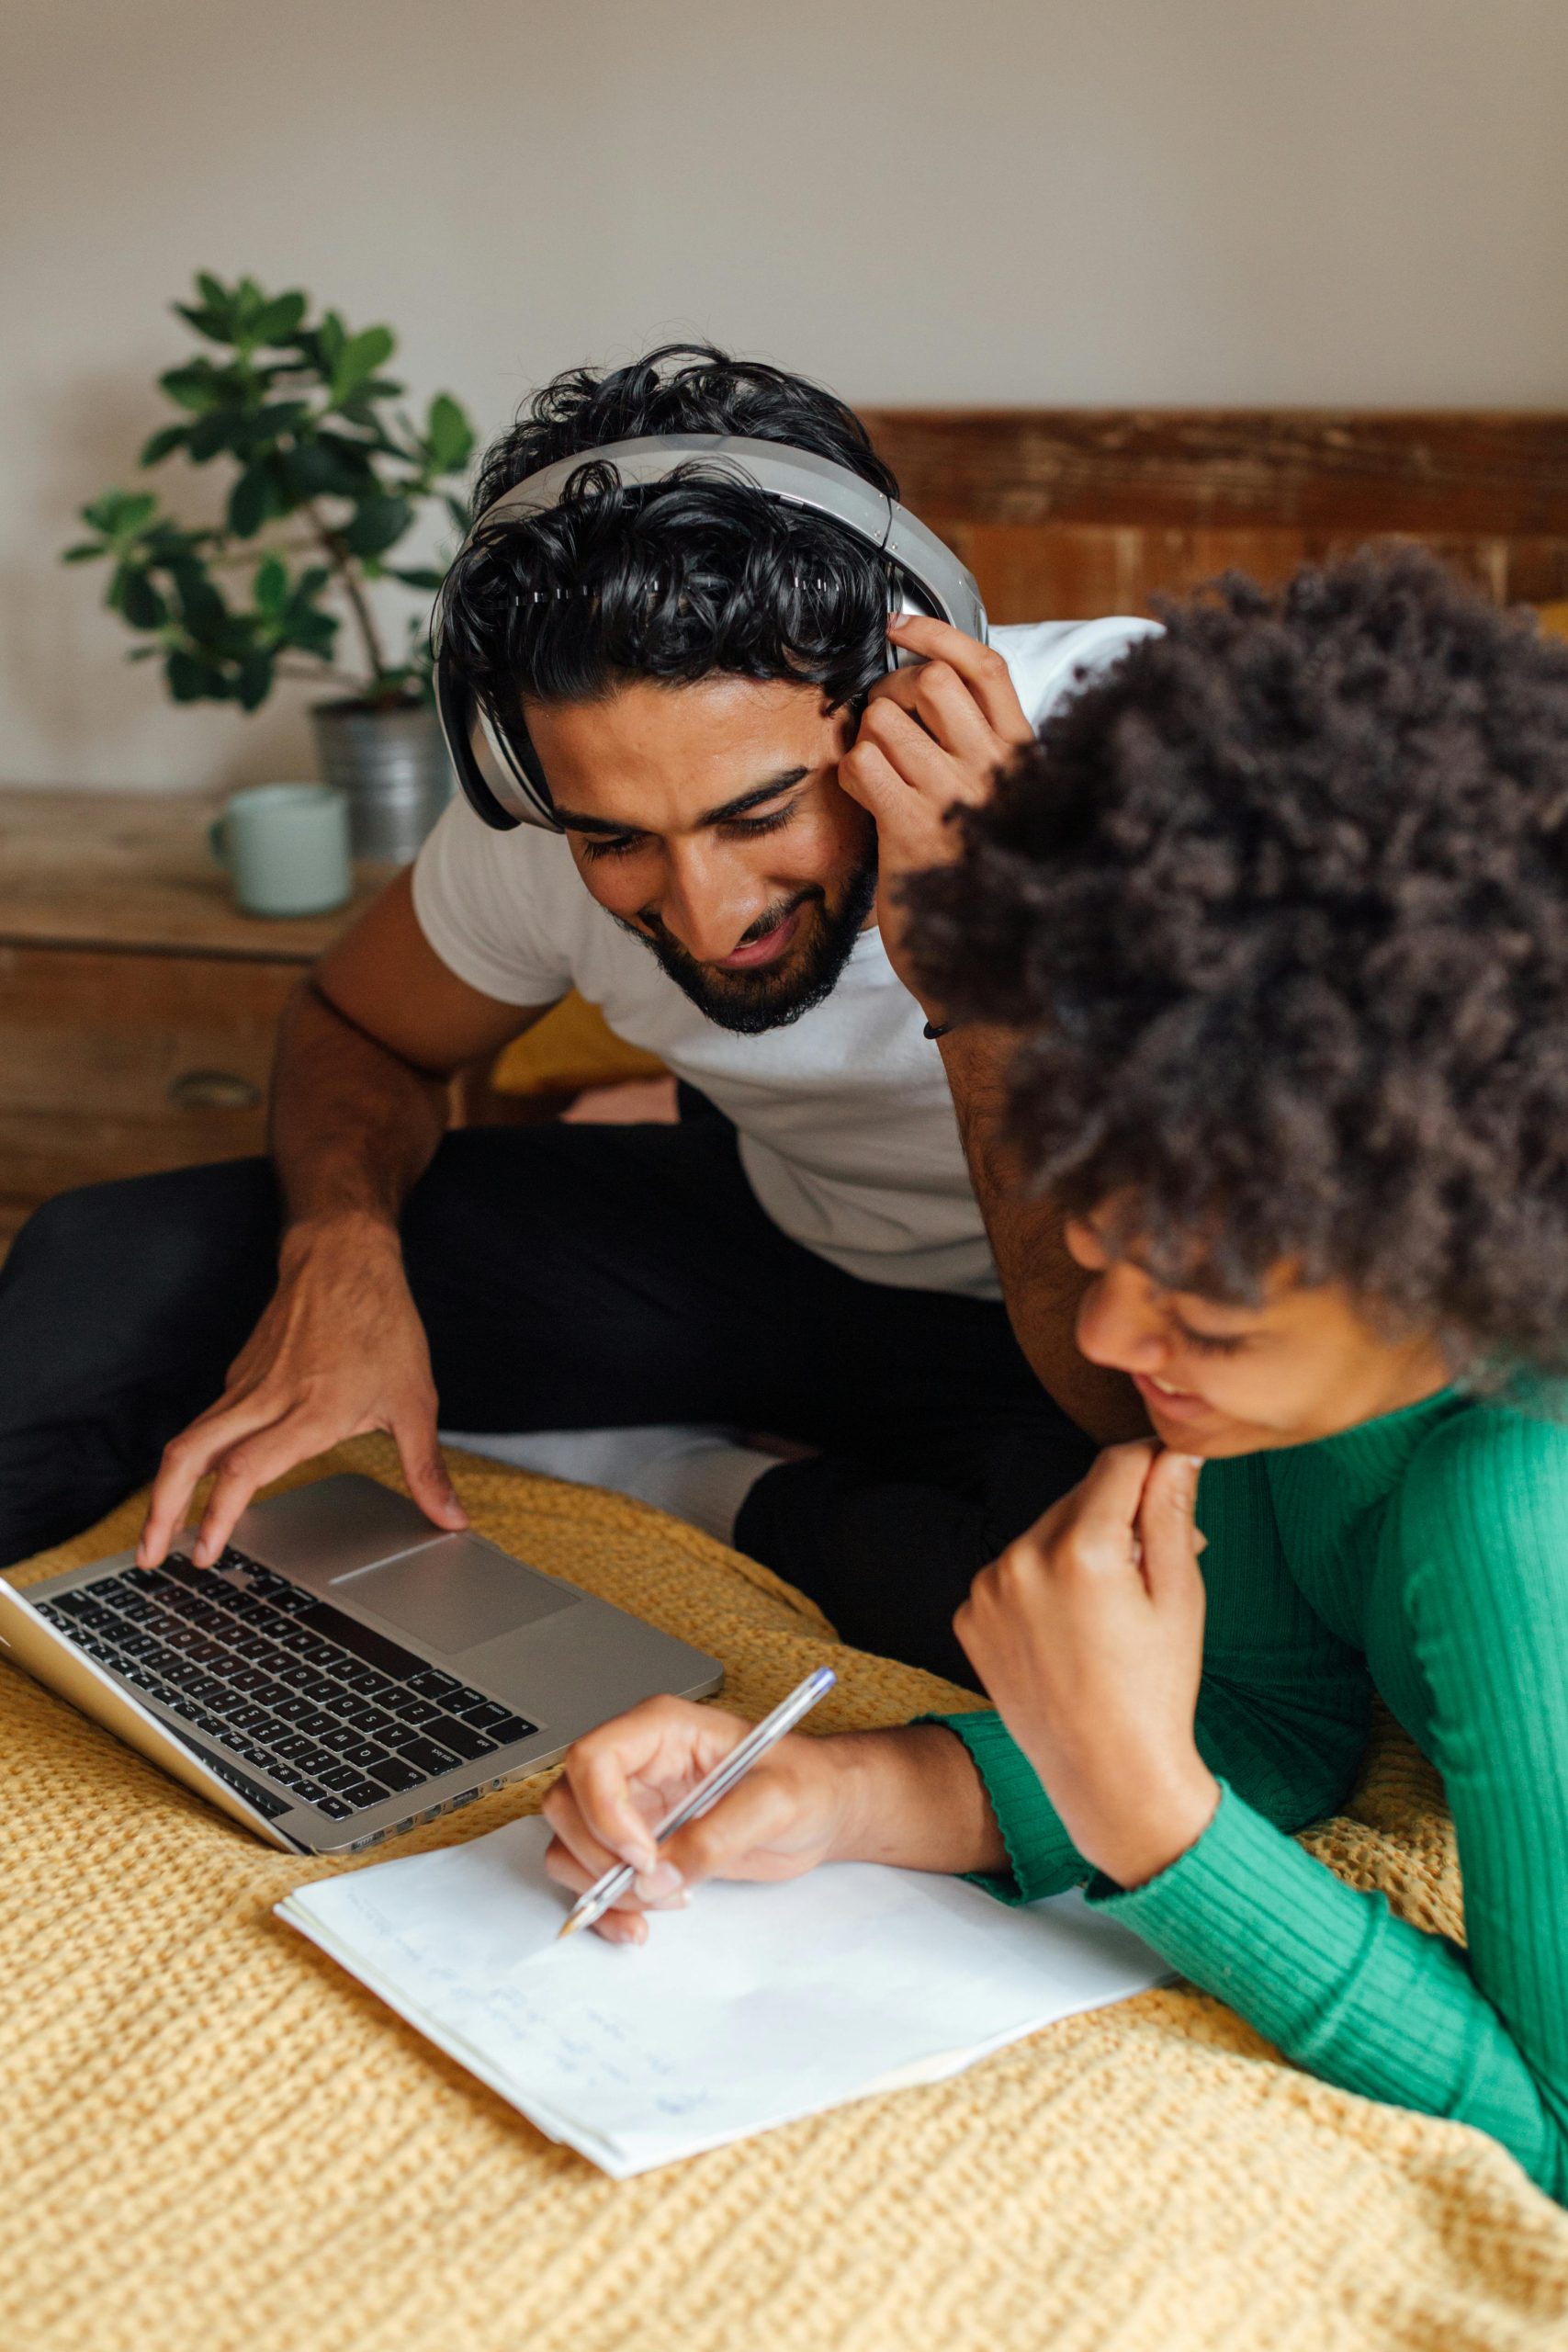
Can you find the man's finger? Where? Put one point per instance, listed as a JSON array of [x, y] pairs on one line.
[[914, 754], [265, 1454], [981, 668], [424, 1467], [186, 1460], [943, 706], [869, 777]]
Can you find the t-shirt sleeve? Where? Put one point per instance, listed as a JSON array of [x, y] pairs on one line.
[[483, 900]]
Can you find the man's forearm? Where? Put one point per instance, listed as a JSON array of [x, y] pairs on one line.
[[353, 1127], [1042, 1285]]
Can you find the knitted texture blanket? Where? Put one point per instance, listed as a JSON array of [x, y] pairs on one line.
[[215, 2141]]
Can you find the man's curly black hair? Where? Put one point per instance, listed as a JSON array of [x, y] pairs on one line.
[[697, 575], [1282, 905]]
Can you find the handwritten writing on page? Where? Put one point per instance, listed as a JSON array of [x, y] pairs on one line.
[[757, 2005]]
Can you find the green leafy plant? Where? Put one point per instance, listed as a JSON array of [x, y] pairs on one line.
[[332, 476]]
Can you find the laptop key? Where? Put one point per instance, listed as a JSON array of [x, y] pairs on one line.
[[511, 1727], [424, 1755], [366, 1755], [417, 1712], [341, 1778], [370, 1648], [431, 1683], [396, 1773], [340, 1738], [365, 1793], [452, 1732], [333, 1807]]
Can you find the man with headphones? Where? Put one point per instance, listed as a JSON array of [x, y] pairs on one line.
[[709, 692]]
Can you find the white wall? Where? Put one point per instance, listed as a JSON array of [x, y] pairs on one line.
[[938, 200]]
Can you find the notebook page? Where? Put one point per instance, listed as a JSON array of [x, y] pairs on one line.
[[757, 2005]]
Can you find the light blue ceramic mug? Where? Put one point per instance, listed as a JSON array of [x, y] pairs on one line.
[[285, 847]]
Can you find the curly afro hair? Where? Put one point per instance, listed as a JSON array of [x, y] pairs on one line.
[[1281, 905]]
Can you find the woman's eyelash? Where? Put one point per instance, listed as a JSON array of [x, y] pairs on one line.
[[1209, 1344]]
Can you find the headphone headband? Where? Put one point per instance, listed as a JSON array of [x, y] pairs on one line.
[[501, 776]]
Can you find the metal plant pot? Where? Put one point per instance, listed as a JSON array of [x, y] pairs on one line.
[[393, 766]]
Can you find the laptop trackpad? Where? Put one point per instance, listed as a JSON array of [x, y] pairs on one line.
[[454, 1593]]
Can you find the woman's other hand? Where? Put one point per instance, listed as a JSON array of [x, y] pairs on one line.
[[1087, 1634]]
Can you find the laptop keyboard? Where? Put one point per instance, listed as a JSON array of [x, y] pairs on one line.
[[326, 1706]]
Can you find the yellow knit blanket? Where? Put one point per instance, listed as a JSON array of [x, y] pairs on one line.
[[214, 2141]]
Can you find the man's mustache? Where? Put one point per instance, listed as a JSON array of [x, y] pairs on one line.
[[769, 920]]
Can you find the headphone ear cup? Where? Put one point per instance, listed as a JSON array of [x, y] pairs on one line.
[[503, 781], [905, 595]]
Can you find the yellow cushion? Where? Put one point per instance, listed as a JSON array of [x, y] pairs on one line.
[[214, 2139], [570, 1048]]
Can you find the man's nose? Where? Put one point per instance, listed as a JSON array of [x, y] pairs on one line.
[[708, 904]]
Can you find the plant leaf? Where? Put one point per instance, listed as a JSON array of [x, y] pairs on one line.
[[377, 523], [270, 587], [193, 681], [279, 319], [136, 597], [359, 358], [194, 386], [253, 683], [448, 436], [162, 443], [251, 502]]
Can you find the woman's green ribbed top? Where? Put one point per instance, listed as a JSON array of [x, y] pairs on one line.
[[1425, 1553]]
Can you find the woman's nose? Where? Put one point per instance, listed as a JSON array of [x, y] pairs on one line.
[[1115, 1326]]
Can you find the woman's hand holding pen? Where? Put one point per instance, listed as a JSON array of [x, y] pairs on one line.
[[910, 1796], [620, 1780]]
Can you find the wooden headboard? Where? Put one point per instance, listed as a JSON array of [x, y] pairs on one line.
[[1067, 513]]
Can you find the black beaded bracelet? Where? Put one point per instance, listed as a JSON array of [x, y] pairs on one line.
[[935, 1029]]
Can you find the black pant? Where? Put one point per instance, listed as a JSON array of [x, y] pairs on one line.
[[569, 1277]]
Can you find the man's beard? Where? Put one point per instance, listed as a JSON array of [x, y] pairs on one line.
[[772, 995]]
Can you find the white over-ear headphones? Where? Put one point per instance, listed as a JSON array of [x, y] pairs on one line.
[[499, 771]]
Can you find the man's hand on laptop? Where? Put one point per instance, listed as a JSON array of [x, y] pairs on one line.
[[932, 737], [340, 1351]]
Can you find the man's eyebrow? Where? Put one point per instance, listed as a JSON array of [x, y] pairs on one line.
[[783, 782], [759, 793]]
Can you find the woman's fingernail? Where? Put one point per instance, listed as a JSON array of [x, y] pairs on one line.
[[662, 1880]]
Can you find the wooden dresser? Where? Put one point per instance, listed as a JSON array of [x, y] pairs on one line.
[[137, 1003]]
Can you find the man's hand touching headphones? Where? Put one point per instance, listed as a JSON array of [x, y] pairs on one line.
[[932, 737]]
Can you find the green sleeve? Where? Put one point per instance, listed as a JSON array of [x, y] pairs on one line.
[[1281, 1711], [1480, 1546]]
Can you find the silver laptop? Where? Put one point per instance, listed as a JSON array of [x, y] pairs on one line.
[[343, 1671]]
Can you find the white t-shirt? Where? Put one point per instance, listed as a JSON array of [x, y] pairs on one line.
[[846, 1126]]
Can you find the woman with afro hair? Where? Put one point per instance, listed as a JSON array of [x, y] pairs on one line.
[[1275, 916]]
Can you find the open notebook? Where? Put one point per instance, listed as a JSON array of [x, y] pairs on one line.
[[757, 2005]]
